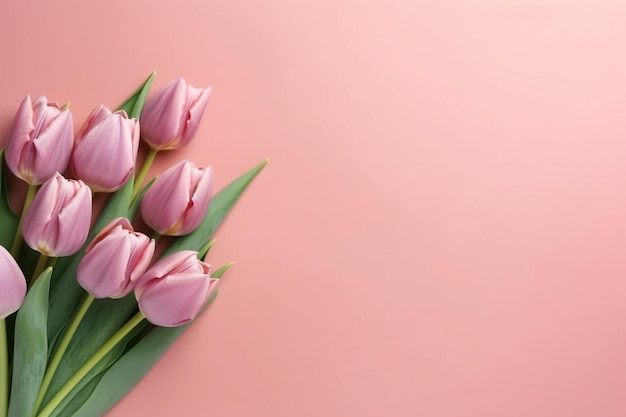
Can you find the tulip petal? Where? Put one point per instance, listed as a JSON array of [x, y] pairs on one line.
[[53, 147], [112, 260], [110, 257], [105, 156], [74, 220], [50, 206], [142, 252], [162, 267], [21, 133], [171, 118], [58, 219], [194, 115], [174, 290], [171, 191], [184, 192], [41, 141], [43, 114], [174, 301], [161, 115], [12, 284], [39, 214], [97, 115], [121, 222], [199, 203]]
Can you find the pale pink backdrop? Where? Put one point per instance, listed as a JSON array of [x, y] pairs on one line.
[[442, 227]]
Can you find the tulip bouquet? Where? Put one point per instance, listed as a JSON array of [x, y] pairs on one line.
[[90, 296]]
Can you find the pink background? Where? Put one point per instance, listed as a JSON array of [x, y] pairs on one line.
[[441, 229]]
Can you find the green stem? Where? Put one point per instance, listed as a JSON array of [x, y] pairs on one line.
[[60, 351], [4, 373], [41, 265], [141, 176], [71, 383], [17, 242], [52, 262]]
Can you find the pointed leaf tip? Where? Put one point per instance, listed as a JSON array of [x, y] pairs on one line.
[[134, 104], [202, 253], [218, 274]]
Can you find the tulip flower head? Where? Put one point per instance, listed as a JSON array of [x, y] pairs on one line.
[[171, 118], [41, 140], [174, 290], [177, 202], [57, 221], [106, 150], [114, 260], [12, 284]]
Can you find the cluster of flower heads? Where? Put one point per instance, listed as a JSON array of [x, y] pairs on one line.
[[102, 158]]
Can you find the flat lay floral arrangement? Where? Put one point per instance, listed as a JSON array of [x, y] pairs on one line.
[[90, 299]]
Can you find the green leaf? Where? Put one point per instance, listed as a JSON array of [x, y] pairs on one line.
[[222, 270], [221, 204], [69, 408], [103, 319], [124, 374], [31, 347], [8, 225], [134, 104], [80, 351], [204, 251]]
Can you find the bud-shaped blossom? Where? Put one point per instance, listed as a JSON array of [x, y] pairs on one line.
[[41, 140], [177, 202], [106, 149], [174, 290], [114, 260], [12, 284], [171, 118], [57, 221]]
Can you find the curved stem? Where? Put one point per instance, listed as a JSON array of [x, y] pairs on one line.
[[17, 242], [89, 365], [141, 176], [60, 351], [4, 373]]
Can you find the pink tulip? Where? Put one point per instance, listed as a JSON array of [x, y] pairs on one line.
[[171, 118], [106, 149], [175, 289], [177, 202], [12, 284], [114, 260], [41, 141], [57, 221]]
